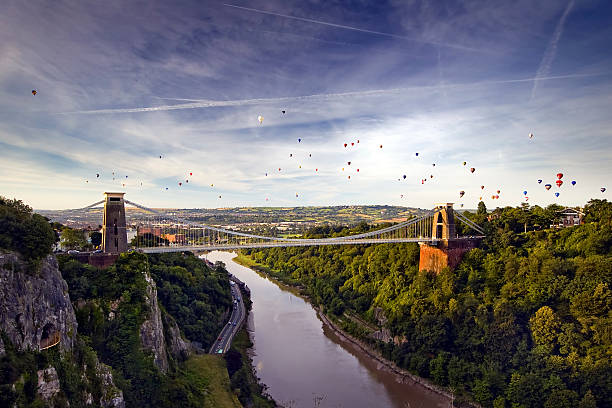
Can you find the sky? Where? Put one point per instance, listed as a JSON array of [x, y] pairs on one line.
[[120, 84]]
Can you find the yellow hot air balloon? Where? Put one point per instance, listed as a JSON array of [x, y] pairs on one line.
[[260, 119]]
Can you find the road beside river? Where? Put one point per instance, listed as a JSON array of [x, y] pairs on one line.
[[303, 362]]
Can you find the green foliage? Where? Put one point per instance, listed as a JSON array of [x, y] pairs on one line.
[[20, 230], [196, 296], [96, 238], [73, 238], [523, 321]]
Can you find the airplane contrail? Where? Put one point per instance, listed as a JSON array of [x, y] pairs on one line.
[[551, 49], [362, 30], [206, 103]]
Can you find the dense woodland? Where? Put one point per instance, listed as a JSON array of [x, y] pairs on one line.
[[524, 321]]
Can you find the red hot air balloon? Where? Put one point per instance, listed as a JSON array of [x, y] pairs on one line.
[[191, 174], [497, 191], [180, 184], [472, 170], [352, 143], [349, 163], [482, 187], [345, 145], [357, 170], [559, 182], [559, 176], [497, 197], [547, 186]]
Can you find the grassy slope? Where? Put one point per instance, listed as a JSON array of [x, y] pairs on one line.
[[208, 372]]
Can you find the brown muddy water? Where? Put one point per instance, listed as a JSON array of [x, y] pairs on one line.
[[305, 364]]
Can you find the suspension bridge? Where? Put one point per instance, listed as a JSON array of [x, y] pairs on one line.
[[159, 232]]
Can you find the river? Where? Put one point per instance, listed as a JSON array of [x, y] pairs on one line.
[[302, 361]]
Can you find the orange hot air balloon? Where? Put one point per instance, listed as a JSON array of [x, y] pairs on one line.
[[34, 92], [349, 177], [559, 176], [492, 197], [559, 182], [480, 198]]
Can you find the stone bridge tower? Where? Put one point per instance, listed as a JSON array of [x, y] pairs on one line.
[[114, 234], [446, 249]]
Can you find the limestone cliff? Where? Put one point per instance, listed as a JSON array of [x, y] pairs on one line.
[[152, 329], [35, 309]]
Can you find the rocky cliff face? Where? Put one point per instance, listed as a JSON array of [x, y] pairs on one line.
[[152, 329], [35, 309]]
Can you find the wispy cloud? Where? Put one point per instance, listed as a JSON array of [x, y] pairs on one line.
[[551, 49], [361, 30], [205, 103]]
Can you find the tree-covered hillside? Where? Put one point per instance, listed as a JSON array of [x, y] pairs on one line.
[[524, 321]]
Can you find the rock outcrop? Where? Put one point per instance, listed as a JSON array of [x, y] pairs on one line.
[[178, 347], [35, 309], [48, 384], [152, 329], [112, 397]]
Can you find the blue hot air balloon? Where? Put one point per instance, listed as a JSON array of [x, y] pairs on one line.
[[299, 140], [539, 181], [525, 192], [416, 154], [573, 182], [556, 194], [404, 177]]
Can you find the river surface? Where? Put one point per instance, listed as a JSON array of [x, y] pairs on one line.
[[303, 362]]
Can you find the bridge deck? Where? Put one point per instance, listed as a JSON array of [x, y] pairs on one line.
[[314, 242]]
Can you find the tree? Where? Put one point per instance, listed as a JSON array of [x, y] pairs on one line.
[[544, 326], [73, 238], [96, 238], [482, 208]]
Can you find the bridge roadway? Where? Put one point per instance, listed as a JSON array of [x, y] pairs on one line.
[[306, 242]]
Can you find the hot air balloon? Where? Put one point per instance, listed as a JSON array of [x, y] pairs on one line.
[[299, 140], [559, 182], [296, 194], [433, 164], [525, 192], [87, 181], [34, 92], [345, 145], [401, 196], [212, 185], [431, 176], [497, 191], [266, 174], [309, 154], [283, 112], [126, 176], [497, 197], [349, 177], [352, 143], [539, 181], [357, 170], [464, 163], [160, 157], [381, 146], [482, 187], [279, 169], [603, 189], [404, 177], [480, 198], [559, 176], [186, 181], [191, 174], [180, 184], [290, 154], [349, 163], [556, 194], [300, 166], [573, 182], [461, 205], [260, 119], [492, 197], [526, 198], [461, 193], [219, 196], [531, 135], [357, 140], [472, 170], [547, 186], [166, 188], [316, 169], [97, 175]]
